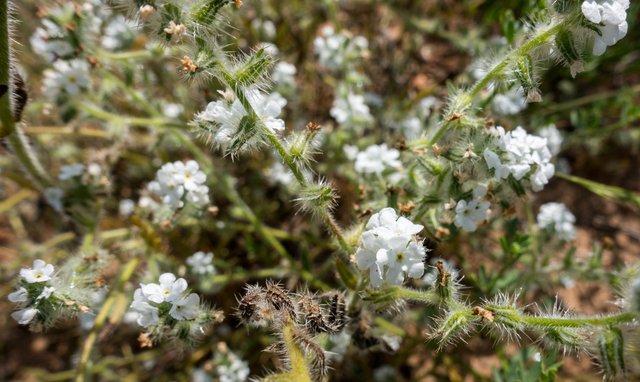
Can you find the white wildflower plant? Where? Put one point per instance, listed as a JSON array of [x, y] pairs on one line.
[[423, 166], [178, 184], [44, 296], [167, 309]]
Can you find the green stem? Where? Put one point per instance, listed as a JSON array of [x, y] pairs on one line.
[[523, 49], [6, 116], [9, 128], [96, 112], [101, 319], [572, 322]]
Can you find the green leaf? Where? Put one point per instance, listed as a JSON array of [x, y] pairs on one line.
[[613, 193]]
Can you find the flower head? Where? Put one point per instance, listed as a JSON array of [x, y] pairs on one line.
[[389, 250], [40, 272]]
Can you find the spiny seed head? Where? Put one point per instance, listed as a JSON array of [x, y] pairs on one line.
[[280, 300], [311, 315]]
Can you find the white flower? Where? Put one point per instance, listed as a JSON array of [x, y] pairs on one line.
[[411, 127], [177, 180], [49, 41], [610, 16], [40, 272], [389, 250], [119, 33], [557, 217], [228, 114], [54, 195], [24, 316], [46, 293], [201, 263], [284, 74], [185, 308], [71, 171], [511, 102], [147, 313], [20, 295], [524, 154], [94, 170], [351, 151], [169, 288], [172, 110], [126, 207], [351, 110], [230, 368], [387, 218], [553, 136], [335, 50], [470, 214], [377, 158], [189, 175], [70, 77]]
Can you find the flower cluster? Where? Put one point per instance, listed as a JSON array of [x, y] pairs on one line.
[[201, 263], [375, 159], [611, 18], [521, 155], [66, 77], [230, 124], [469, 214], [38, 298], [350, 110], [166, 301], [557, 218], [336, 50], [389, 249], [178, 182]]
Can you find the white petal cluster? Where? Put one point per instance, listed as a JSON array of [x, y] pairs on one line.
[[53, 196], [47, 41], [201, 263], [335, 50], [50, 40], [523, 155], [228, 113], [469, 214], [412, 126], [554, 138], [375, 159], [169, 292], [119, 33], [284, 74], [40, 272], [66, 77], [510, 103], [351, 110], [33, 290], [389, 250], [558, 218], [71, 171], [611, 18], [177, 181]]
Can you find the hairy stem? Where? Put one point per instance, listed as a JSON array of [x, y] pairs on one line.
[[327, 216], [101, 319]]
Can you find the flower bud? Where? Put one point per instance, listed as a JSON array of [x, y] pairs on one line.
[[566, 46], [525, 74], [206, 12], [454, 324], [611, 352], [253, 68]]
